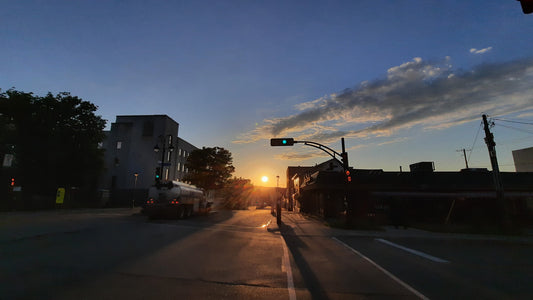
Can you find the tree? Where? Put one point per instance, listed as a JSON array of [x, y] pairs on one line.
[[237, 193], [54, 141], [209, 168]]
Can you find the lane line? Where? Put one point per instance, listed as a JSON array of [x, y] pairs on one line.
[[398, 280], [286, 265], [415, 252]]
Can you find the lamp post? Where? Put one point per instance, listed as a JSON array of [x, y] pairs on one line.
[[166, 146], [278, 202], [134, 189]]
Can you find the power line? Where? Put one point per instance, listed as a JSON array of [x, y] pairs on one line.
[[518, 122], [475, 140], [518, 129]]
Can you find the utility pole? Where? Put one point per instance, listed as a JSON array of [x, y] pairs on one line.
[[464, 154], [491, 145]]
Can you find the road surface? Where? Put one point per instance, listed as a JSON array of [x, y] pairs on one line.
[[120, 254]]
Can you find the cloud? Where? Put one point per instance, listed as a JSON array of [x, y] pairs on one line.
[[526, 114], [480, 51], [421, 93], [299, 156]]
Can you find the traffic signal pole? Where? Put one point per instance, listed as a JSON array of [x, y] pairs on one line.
[[334, 154]]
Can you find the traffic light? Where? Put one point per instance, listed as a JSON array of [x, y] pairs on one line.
[[157, 172], [348, 176], [282, 142], [12, 181], [527, 6]]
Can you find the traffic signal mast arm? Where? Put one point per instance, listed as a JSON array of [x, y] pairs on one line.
[[326, 149], [290, 141]]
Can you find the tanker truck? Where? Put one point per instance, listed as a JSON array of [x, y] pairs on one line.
[[175, 199]]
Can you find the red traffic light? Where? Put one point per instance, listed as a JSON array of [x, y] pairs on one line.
[[348, 176], [12, 181]]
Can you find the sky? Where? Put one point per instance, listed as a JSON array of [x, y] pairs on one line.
[[400, 81]]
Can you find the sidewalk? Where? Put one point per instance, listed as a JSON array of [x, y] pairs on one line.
[[296, 220]]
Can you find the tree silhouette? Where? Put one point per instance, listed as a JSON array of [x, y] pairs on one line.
[[54, 141], [209, 168]]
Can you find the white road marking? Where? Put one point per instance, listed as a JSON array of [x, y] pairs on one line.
[[286, 265], [416, 252], [398, 280], [266, 224]]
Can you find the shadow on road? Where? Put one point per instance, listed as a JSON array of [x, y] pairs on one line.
[[296, 246], [211, 218], [54, 254]]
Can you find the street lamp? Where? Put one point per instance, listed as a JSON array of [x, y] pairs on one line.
[[170, 148]]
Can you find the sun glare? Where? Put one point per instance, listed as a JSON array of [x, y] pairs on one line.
[[264, 179]]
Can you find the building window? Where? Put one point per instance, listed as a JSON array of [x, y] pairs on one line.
[[119, 145]]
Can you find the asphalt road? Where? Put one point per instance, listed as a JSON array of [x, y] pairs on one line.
[[120, 254]]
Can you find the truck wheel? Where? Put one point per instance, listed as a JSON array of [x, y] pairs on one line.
[[181, 212]]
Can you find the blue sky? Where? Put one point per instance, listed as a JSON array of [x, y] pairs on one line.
[[402, 81]]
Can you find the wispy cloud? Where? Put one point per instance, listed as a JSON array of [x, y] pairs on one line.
[[526, 114], [299, 156], [422, 93], [480, 51]]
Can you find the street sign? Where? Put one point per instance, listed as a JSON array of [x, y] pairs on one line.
[[60, 196], [8, 160]]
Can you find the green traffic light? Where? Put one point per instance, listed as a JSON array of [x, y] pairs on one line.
[[282, 142]]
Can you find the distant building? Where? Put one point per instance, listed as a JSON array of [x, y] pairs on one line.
[[523, 160], [422, 195], [297, 175], [131, 160]]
